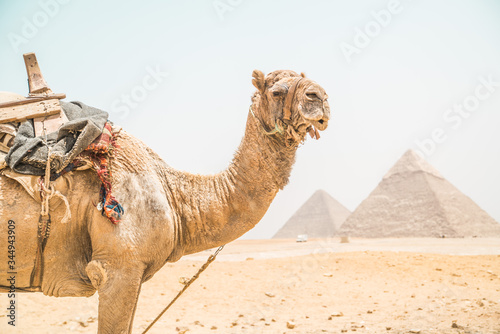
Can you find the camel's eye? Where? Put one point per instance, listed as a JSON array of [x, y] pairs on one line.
[[278, 90], [312, 96]]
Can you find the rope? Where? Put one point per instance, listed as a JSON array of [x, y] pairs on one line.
[[287, 108], [48, 191], [203, 267], [276, 129], [67, 214], [45, 186]]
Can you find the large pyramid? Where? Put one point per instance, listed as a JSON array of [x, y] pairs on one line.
[[319, 217], [414, 200]]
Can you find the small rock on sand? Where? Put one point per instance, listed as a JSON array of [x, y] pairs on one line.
[[290, 325], [183, 280], [335, 314]]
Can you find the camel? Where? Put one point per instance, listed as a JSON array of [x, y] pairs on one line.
[[168, 213]]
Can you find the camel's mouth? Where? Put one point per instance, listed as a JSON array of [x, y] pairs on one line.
[[315, 110], [315, 127]]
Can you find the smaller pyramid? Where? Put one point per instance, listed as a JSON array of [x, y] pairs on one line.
[[319, 217], [415, 200]]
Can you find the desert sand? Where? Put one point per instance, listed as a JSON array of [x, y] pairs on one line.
[[320, 286]]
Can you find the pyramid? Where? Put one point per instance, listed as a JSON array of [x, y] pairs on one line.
[[415, 200], [319, 217]]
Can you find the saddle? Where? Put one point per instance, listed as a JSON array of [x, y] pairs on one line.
[[44, 140], [41, 105]]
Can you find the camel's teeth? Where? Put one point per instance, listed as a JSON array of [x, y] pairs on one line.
[[316, 132], [311, 131]]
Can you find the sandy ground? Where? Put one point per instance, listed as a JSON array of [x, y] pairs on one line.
[[321, 286]]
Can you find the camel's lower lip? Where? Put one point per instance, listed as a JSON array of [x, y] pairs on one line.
[[320, 124]]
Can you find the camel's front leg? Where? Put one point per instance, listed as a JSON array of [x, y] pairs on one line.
[[118, 290]]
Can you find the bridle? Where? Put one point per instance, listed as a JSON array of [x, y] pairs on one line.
[[287, 110], [276, 129]]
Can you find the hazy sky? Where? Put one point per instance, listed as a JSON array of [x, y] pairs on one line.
[[177, 74]]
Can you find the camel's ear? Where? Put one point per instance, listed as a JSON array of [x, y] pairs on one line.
[[258, 80], [302, 74]]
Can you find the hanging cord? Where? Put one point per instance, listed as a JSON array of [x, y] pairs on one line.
[[48, 191], [276, 129], [45, 185], [203, 267], [44, 223]]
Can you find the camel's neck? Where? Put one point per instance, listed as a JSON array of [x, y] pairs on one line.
[[214, 210]]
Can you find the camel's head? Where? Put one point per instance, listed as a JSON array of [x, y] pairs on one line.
[[290, 104]]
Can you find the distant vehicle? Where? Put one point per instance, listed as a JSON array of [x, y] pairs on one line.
[[302, 238]]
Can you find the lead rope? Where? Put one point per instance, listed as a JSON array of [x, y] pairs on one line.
[[203, 267], [276, 129], [44, 223]]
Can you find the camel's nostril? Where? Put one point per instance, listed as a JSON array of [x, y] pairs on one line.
[[321, 121]]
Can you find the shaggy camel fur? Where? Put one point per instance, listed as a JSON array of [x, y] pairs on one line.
[[168, 213]]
